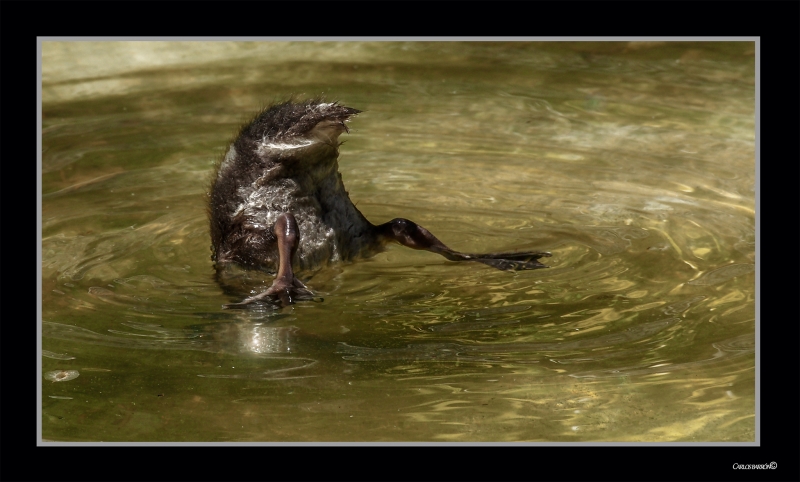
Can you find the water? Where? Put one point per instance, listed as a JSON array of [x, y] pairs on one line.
[[634, 164]]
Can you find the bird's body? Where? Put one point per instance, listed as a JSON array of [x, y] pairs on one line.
[[270, 170]]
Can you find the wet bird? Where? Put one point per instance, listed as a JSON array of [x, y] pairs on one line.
[[277, 204]]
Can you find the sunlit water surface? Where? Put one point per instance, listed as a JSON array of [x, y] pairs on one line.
[[634, 164]]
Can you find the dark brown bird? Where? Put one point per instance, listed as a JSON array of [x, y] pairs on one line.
[[277, 203]]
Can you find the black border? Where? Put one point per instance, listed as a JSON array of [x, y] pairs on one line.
[[774, 22]]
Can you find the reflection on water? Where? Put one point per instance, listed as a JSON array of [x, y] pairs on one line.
[[234, 338], [238, 337], [634, 164]]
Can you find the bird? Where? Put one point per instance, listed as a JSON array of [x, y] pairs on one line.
[[277, 203]]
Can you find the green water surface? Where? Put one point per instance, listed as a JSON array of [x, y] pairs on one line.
[[633, 163]]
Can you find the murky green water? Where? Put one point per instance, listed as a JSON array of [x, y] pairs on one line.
[[634, 164]]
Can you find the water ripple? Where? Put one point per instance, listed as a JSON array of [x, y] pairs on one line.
[[720, 275], [730, 348], [453, 351]]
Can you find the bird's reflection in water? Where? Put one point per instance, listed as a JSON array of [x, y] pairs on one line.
[[275, 347], [265, 339], [256, 338]]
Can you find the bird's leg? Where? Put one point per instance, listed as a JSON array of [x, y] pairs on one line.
[[286, 288]]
